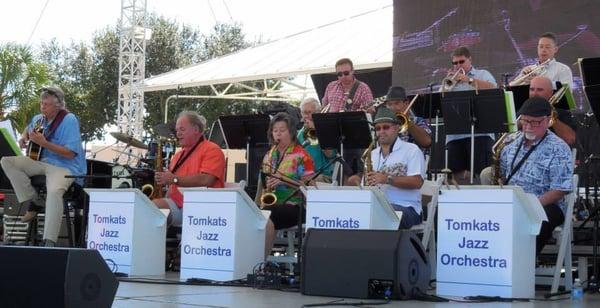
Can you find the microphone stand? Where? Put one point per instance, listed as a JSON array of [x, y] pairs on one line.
[[301, 205], [434, 141]]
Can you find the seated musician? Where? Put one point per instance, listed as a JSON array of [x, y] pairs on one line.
[[398, 169], [541, 163], [418, 131], [286, 160], [564, 126], [199, 163], [320, 157], [60, 154]]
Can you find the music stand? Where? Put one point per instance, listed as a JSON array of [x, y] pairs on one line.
[[589, 69], [245, 132], [342, 131], [8, 147], [429, 106], [466, 112]]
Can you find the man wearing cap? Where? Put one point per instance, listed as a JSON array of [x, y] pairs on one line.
[[418, 131], [540, 162], [398, 169], [61, 154]]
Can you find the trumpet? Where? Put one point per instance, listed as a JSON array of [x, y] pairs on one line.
[[310, 137], [450, 81], [538, 70], [403, 117]]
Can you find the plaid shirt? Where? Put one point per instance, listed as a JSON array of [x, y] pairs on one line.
[[334, 95]]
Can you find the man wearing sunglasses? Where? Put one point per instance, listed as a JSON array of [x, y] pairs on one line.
[[346, 93], [459, 145], [398, 169], [61, 154], [541, 163]]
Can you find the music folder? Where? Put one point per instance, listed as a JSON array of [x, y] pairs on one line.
[[489, 112], [427, 105]]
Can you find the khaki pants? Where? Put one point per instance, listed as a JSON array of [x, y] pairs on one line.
[[19, 170]]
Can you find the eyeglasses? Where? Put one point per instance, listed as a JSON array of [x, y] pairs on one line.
[[532, 123], [458, 62], [384, 127], [344, 73]]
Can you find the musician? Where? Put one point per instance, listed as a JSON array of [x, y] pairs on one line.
[[541, 163], [398, 169], [555, 71], [286, 159], [61, 154], [346, 93], [564, 126], [418, 131], [459, 145], [199, 163], [319, 156]]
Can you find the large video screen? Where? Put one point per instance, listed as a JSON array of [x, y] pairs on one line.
[[502, 36]]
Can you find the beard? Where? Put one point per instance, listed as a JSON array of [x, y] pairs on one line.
[[530, 136]]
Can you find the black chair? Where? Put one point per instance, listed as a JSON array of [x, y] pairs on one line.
[[74, 197]]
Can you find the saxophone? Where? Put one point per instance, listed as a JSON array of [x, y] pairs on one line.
[[368, 162], [268, 197], [155, 191], [497, 148]]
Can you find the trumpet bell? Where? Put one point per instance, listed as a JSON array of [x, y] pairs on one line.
[[310, 137], [403, 121]]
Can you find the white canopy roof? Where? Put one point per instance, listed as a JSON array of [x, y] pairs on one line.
[[366, 39]]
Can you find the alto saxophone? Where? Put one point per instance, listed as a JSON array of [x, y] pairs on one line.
[[368, 162], [155, 191], [268, 197], [497, 148]]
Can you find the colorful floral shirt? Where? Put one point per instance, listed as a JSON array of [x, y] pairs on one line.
[[295, 163]]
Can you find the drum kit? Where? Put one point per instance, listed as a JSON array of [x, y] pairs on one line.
[[140, 166]]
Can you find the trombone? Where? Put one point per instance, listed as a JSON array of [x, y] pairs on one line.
[[537, 70], [403, 117]]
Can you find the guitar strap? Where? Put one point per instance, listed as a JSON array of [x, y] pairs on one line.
[[55, 123]]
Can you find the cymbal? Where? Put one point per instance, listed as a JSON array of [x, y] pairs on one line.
[[129, 140]]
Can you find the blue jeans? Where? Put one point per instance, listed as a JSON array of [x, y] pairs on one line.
[[409, 216]]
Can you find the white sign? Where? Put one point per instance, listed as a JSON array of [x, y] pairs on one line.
[[110, 232]]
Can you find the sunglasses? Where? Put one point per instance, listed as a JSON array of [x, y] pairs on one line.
[[384, 127], [51, 92], [458, 62], [344, 73]]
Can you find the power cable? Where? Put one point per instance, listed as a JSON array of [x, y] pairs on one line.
[[37, 22]]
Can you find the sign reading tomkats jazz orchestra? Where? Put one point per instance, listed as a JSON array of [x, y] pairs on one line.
[[128, 231], [223, 234], [486, 242]]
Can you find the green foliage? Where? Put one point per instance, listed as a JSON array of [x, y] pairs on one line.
[[21, 76]]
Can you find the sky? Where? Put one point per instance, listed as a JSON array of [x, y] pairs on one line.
[[77, 20]]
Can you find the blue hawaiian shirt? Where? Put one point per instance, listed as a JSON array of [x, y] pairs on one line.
[[549, 167]]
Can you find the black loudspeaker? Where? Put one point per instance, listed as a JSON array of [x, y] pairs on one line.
[[54, 277], [364, 264]]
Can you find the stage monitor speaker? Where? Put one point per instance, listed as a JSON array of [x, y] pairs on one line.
[[364, 264], [54, 277]]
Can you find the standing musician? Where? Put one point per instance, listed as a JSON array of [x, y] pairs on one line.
[[541, 163], [60, 154], [398, 168], [319, 156], [347, 93], [459, 145], [418, 131], [286, 159], [200, 163], [554, 70]]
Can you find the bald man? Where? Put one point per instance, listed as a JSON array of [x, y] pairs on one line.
[[564, 127]]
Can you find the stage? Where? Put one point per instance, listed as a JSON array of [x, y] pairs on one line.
[[147, 295]]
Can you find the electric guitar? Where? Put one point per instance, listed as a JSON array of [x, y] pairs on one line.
[[33, 149]]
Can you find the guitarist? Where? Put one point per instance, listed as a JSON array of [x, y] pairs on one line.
[[60, 154]]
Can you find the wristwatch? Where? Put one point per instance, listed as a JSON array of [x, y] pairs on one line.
[[389, 179], [471, 80], [175, 180]]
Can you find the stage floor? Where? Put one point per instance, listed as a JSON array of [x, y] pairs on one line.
[[146, 295]]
